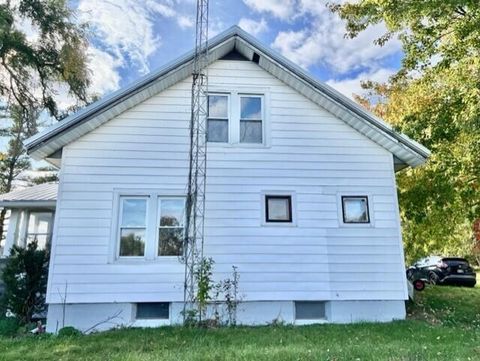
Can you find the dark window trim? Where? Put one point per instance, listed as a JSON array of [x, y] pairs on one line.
[[290, 217], [137, 317], [355, 197]]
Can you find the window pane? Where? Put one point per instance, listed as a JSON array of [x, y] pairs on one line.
[[153, 310], [309, 310], [278, 209], [134, 212], [355, 210], [132, 242], [38, 222], [172, 212], [251, 108], [170, 241], [217, 131], [250, 131], [217, 106]]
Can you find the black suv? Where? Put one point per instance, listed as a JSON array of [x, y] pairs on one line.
[[443, 271]]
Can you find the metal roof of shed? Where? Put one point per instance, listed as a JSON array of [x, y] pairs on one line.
[[42, 195], [407, 152]]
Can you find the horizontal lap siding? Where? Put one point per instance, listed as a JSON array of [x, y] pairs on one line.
[[309, 152]]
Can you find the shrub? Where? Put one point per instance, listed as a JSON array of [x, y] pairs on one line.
[[9, 326], [25, 277], [69, 331]]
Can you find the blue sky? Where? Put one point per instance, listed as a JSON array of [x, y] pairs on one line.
[[130, 38]]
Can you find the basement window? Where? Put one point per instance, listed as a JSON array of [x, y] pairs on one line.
[[309, 310], [355, 209], [153, 310]]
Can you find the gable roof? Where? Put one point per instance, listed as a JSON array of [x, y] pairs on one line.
[[48, 143], [41, 195]]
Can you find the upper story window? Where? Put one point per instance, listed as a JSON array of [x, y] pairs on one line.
[[217, 122], [236, 118], [251, 128], [142, 233], [355, 209]]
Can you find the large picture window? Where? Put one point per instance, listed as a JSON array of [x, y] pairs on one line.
[[150, 226]]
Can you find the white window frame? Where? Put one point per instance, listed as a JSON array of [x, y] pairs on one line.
[[239, 97], [119, 225], [151, 233], [159, 200], [234, 115], [371, 209], [263, 211], [229, 117]]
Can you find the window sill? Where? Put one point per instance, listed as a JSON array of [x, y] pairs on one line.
[[238, 145], [279, 224], [143, 260], [311, 322], [152, 322], [356, 225]]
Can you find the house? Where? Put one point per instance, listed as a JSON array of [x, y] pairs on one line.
[[31, 213], [300, 197]]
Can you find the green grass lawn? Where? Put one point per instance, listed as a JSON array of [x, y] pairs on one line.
[[443, 324]]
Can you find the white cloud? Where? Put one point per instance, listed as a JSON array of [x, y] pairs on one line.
[[321, 41], [105, 77], [351, 86], [282, 9], [252, 26], [124, 27], [123, 35]]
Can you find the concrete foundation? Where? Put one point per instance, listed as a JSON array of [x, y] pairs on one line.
[[104, 316]]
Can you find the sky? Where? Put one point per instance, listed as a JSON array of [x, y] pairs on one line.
[[129, 38]]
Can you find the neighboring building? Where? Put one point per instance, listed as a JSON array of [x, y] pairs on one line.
[[31, 213], [300, 197]]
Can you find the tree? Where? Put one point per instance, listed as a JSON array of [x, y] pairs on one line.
[[14, 160], [435, 99], [34, 64], [433, 32], [25, 277]]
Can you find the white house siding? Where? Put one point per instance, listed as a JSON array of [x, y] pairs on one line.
[[308, 151]]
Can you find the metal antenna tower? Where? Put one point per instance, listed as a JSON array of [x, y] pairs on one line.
[[195, 205]]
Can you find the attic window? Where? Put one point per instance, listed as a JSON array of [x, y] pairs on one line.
[[217, 121], [256, 58]]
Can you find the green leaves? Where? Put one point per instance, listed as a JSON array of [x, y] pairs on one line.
[[434, 99], [35, 64]]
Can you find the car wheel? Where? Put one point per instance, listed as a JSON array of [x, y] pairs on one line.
[[419, 285], [433, 278]]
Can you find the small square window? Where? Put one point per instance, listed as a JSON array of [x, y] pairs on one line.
[[278, 209], [153, 310], [355, 209]]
